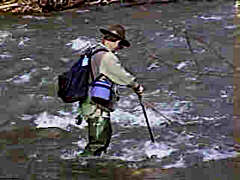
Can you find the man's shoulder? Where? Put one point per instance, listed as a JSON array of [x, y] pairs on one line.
[[100, 49], [110, 56], [104, 53]]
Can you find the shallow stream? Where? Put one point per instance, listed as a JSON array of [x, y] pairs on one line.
[[192, 89]]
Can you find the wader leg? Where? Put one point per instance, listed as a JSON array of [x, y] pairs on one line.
[[99, 132]]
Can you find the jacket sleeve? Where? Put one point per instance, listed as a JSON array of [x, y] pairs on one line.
[[111, 67]]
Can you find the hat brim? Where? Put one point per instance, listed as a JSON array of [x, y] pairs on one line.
[[124, 42]]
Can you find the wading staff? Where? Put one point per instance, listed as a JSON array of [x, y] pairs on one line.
[[145, 114]]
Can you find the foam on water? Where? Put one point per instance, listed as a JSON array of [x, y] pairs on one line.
[[172, 37], [18, 79], [184, 64], [213, 154], [143, 150], [230, 27], [5, 56], [137, 118], [46, 120], [177, 164], [159, 150], [72, 153], [27, 117], [22, 79], [63, 120], [67, 154], [227, 92], [129, 112], [4, 35], [153, 66], [213, 17], [83, 11], [34, 17], [27, 59], [47, 68], [22, 42], [174, 41]]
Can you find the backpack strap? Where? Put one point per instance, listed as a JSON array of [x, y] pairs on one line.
[[98, 50], [93, 53]]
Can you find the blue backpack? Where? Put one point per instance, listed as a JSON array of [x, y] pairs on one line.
[[73, 85]]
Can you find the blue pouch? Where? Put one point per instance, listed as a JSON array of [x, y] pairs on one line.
[[101, 92]]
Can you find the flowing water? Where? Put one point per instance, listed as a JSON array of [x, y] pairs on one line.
[[38, 131]]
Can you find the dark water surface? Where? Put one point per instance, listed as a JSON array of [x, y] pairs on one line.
[[38, 131]]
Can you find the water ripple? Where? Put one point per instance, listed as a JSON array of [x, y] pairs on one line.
[[213, 17], [5, 56]]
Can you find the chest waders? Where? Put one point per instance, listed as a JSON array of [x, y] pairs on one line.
[[99, 131]]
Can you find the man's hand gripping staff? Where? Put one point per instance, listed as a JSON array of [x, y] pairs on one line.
[[138, 89]]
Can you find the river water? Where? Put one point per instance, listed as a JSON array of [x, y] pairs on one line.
[[38, 131]]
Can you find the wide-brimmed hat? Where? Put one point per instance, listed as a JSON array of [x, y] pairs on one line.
[[116, 31]]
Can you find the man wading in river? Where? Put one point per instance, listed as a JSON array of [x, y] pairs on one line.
[[106, 67]]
